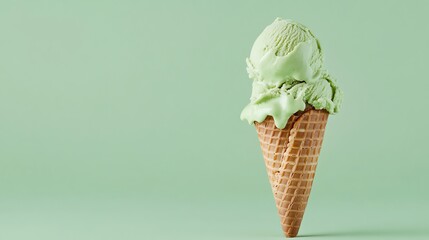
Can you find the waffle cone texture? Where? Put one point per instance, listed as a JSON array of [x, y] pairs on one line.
[[291, 156]]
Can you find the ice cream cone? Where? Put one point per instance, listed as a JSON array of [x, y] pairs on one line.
[[291, 156]]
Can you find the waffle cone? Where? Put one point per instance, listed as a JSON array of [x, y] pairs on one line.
[[291, 156]]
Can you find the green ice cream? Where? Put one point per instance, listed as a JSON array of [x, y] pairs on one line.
[[286, 66]]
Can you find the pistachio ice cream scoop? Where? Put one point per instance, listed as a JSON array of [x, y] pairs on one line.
[[286, 66]]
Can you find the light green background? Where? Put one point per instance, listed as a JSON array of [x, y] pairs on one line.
[[120, 120]]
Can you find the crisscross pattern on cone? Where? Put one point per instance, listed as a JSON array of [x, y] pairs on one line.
[[291, 156]]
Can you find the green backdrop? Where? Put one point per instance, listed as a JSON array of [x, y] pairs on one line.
[[120, 120]]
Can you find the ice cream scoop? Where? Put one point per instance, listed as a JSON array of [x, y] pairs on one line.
[[286, 66]]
